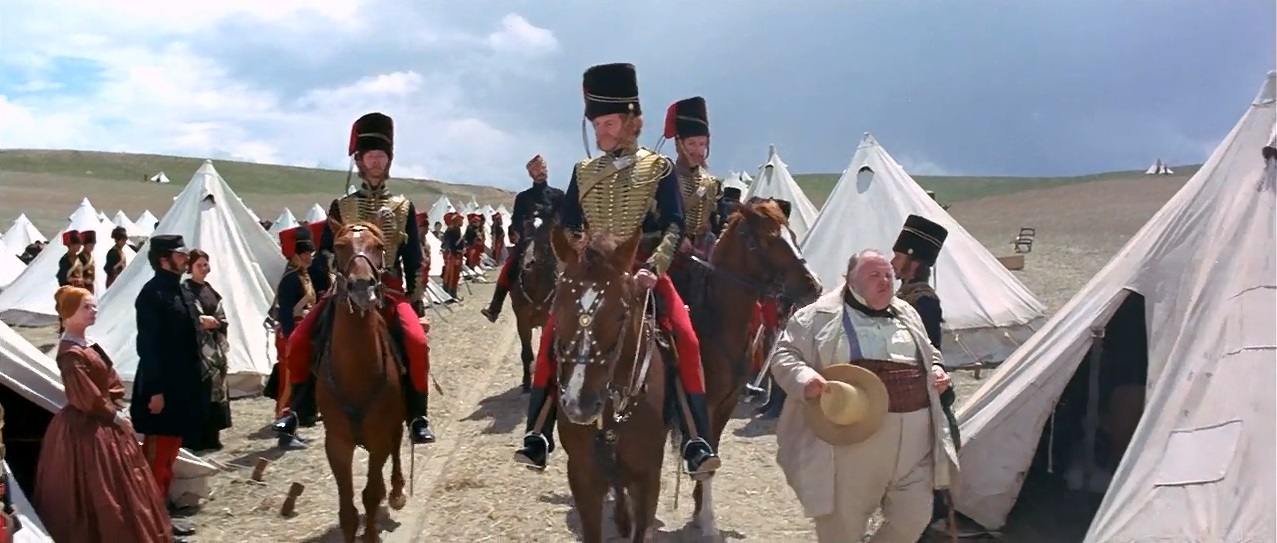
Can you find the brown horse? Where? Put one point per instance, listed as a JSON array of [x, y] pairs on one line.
[[611, 381], [531, 293], [757, 256], [359, 389]]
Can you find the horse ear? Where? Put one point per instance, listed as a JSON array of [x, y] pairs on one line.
[[563, 247], [334, 225]]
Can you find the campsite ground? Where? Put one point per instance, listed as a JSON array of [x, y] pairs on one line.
[[466, 488]]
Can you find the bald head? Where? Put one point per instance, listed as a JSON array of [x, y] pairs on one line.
[[869, 274]]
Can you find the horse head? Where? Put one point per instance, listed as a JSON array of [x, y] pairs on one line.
[[359, 250], [759, 246], [598, 315]]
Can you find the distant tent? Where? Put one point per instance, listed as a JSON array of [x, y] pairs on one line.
[[131, 229], [284, 221], [246, 263], [1158, 168], [739, 181], [316, 214], [102, 217], [20, 235], [988, 312], [441, 207], [1197, 286], [28, 301], [146, 222], [159, 178], [774, 181]]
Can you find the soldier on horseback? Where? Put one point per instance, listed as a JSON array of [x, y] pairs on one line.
[[372, 146], [627, 191], [541, 201], [687, 123], [727, 203]]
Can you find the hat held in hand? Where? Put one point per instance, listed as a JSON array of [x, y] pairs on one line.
[[852, 407]]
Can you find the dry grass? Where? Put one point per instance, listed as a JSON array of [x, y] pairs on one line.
[[468, 490]]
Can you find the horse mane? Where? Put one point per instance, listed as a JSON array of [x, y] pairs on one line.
[[597, 257], [346, 228], [764, 208]]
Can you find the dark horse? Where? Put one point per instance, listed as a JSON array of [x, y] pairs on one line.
[[757, 256], [359, 389], [611, 380], [531, 293]]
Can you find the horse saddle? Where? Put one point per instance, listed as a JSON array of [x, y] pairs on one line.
[[321, 338]]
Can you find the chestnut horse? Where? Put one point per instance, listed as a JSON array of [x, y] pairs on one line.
[[359, 387], [611, 382], [757, 256], [531, 293]]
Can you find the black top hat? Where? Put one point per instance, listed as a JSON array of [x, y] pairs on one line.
[[372, 132], [610, 88], [687, 118], [921, 240], [785, 206], [165, 244], [304, 242]]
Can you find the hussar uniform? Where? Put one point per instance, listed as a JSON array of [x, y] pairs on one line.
[[453, 248], [700, 192], [115, 261], [539, 202], [70, 270], [295, 297], [474, 240], [88, 267], [627, 192], [726, 205], [404, 283], [496, 233]]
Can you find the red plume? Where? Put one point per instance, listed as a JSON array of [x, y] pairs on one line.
[[670, 114], [354, 137]]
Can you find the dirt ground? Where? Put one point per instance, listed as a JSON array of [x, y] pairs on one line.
[[467, 489]]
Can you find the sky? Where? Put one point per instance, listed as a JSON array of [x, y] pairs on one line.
[[973, 87]]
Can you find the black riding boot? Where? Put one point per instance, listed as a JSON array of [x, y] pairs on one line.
[[538, 443], [417, 405], [286, 426], [775, 401], [697, 453], [494, 307]]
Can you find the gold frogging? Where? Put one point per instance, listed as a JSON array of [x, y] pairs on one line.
[[615, 203]]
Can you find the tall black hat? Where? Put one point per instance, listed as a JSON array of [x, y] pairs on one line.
[[88, 236], [372, 132], [921, 240], [610, 88], [687, 118], [164, 244], [304, 243], [785, 206]]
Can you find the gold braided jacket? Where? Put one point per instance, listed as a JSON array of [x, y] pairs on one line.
[[617, 193], [700, 192], [389, 213]]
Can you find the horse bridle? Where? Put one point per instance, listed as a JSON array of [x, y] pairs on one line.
[[341, 285], [771, 287]]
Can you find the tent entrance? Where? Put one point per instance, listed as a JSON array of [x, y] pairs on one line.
[[1087, 435], [24, 426]]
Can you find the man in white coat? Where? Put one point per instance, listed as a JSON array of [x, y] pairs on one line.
[[895, 461]]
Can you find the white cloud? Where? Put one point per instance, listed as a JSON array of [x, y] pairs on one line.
[[163, 89]]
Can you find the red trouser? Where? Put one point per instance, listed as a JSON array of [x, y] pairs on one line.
[[677, 321], [503, 280], [281, 361], [300, 348], [766, 314], [161, 455], [473, 254], [451, 270]]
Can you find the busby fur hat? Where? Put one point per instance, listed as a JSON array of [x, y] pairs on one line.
[[88, 236], [611, 88], [119, 233], [71, 237], [687, 118], [372, 132], [304, 243], [921, 240]]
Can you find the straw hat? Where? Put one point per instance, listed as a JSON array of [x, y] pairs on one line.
[[852, 407]]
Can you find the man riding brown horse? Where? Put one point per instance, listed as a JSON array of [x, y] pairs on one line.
[[541, 201], [687, 123], [372, 146], [628, 189]]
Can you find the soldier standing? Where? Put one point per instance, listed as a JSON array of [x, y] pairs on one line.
[[453, 248], [473, 240], [115, 255], [372, 148], [916, 250], [295, 297], [541, 201], [69, 264], [88, 268], [627, 191], [497, 234]]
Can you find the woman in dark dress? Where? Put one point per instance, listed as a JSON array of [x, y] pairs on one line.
[[214, 351]]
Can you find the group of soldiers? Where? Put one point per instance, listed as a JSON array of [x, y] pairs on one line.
[[77, 266]]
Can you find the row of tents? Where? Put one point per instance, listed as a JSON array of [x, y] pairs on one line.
[[22, 234]]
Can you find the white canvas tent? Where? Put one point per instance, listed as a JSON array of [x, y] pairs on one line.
[[774, 181], [245, 261], [1201, 464], [131, 229], [21, 234], [159, 178], [146, 222], [28, 301], [1158, 168], [35, 377], [284, 221], [102, 217], [441, 207], [739, 181], [987, 311], [316, 214], [10, 268]]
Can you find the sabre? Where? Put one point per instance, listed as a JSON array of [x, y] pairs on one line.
[[755, 387]]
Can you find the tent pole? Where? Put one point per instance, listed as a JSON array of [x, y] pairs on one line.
[[1092, 405]]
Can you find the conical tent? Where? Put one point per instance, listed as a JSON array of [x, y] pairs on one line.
[[1201, 464], [28, 301], [159, 178], [21, 234], [284, 221], [987, 311], [10, 268], [1158, 168], [441, 207], [146, 222], [102, 217], [739, 181], [774, 181], [131, 228], [316, 214], [245, 263], [35, 377]]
